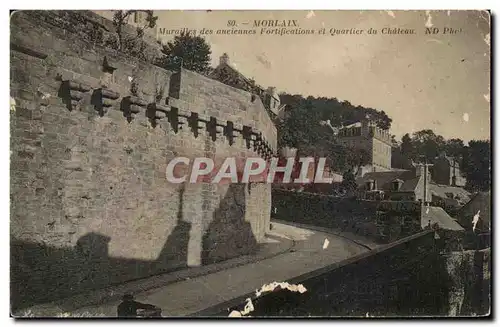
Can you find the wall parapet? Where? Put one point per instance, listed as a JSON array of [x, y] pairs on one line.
[[381, 134], [89, 77], [89, 26], [379, 221], [92, 131], [211, 97], [371, 131]]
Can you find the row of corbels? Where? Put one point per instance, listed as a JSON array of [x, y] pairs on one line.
[[180, 119], [223, 128]]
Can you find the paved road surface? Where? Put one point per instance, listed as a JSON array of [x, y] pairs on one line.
[[192, 295]]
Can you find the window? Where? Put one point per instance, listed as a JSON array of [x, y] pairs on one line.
[[136, 18], [396, 185]]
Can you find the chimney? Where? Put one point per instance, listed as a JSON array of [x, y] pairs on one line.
[[365, 127], [419, 170], [224, 59]]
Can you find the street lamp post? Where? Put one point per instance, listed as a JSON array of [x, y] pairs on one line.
[[426, 182]]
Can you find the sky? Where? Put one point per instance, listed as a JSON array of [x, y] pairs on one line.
[[422, 81]]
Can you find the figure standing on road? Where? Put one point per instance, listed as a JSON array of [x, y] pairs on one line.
[[133, 309]]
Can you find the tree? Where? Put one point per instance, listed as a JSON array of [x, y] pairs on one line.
[[425, 143], [428, 144], [338, 112], [133, 45], [394, 142], [407, 147], [382, 120], [477, 165], [474, 158], [349, 182], [357, 158], [192, 52], [302, 129], [454, 148]]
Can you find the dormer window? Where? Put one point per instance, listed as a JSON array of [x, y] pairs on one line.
[[396, 185]]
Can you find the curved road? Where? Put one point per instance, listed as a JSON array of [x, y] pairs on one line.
[[193, 295]]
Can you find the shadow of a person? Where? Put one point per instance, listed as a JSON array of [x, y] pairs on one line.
[[129, 308]]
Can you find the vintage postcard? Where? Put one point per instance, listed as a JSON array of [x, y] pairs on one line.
[[250, 163]]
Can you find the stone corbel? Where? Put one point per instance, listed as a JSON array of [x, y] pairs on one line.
[[107, 67], [257, 144], [202, 122], [220, 128], [137, 104], [156, 112], [132, 105], [161, 111], [183, 118], [263, 145], [247, 137], [102, 99], [267, 151], [238, 135], [72, 93], [80, 87], [109, 97], [253, 141], [263, 149]]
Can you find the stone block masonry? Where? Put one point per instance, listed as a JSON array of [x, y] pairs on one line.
[[379, 221], [92, 132]]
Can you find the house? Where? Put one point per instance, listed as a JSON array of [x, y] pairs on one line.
[[436, 215], [479, 205], [228, 74], [475, 217], [446, 171], [397, 185], [448, 197], [375, 141], [449, 235]]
